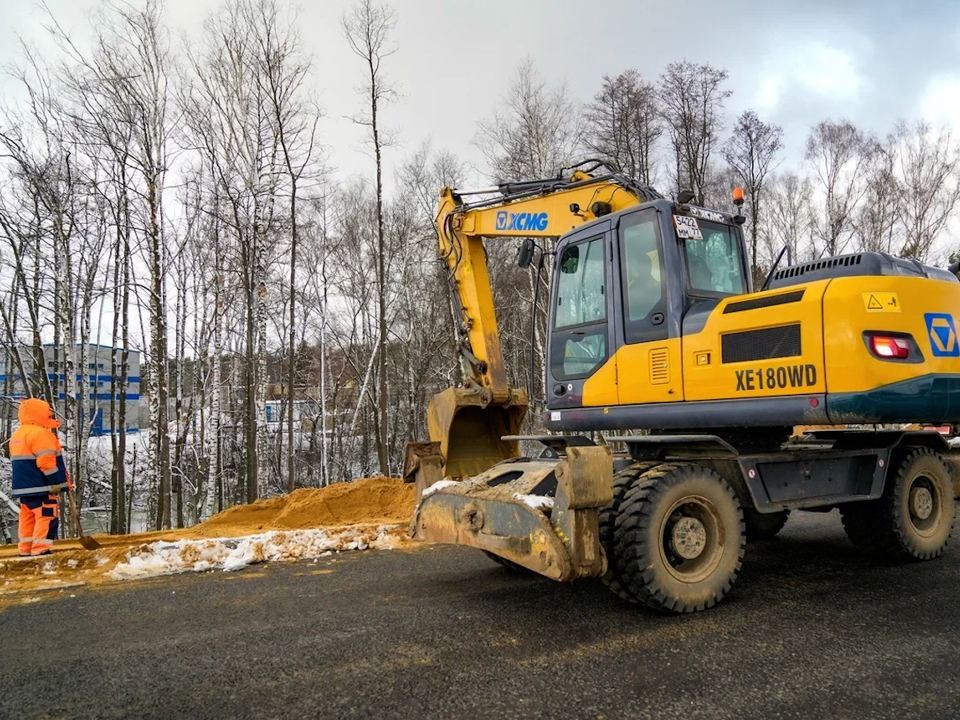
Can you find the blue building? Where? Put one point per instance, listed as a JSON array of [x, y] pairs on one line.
[[99, 370]]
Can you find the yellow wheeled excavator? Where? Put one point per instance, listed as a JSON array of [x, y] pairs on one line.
[[658, 340]]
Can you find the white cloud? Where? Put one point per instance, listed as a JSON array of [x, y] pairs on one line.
[[827, 71], [769, 93], [816, 70], [940, 101]]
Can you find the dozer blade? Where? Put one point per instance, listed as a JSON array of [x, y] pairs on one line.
[[470, 428], [541, 514]]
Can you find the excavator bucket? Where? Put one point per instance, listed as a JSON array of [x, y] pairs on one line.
[[470, 429], [541, 514]]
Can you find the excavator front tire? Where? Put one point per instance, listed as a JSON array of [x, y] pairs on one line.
[[679, 538]]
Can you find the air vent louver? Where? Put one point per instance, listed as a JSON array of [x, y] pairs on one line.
[[799, 270], [659, 367]]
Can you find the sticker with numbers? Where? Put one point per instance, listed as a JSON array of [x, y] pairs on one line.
[[687, 228], [776, 378]]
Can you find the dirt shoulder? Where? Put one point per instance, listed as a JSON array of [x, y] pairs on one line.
[[309, 522]]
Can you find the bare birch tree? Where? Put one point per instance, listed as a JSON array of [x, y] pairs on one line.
[[692, 100], [751, 152], [295, 124], [367, 29], [790, 223], [624, 123], [536, 130], [929, 170], [838, 152]]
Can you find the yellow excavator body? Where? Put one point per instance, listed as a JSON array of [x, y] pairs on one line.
[[654, 326]]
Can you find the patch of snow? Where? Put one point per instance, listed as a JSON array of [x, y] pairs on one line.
[[229, 554], [439, 485], [537, 502]]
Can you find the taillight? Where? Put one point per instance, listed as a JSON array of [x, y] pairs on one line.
[[890, 347]]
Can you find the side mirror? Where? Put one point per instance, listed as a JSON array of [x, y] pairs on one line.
[[525, 253]]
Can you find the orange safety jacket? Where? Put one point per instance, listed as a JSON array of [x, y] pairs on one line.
[[35, 452]]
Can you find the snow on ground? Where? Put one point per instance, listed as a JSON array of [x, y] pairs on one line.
[[228, 554]]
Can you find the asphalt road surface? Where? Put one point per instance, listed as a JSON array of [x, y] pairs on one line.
[[812, 630]]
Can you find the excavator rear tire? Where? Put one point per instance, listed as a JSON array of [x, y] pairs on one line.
[[914, 518], [764, 526], [622, 482], [679, 538]]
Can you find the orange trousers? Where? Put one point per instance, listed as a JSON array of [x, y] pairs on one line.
[[39, 522]]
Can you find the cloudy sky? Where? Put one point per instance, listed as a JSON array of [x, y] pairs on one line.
[[795, 63]]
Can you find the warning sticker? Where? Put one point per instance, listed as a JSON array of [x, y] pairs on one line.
[[687, 228], [881, 302]]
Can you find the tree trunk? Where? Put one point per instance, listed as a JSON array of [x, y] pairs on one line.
[[292, 348], [160, 437]]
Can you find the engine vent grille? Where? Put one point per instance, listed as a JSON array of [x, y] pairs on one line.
[[765, 344], [659, 367], [817, 265]]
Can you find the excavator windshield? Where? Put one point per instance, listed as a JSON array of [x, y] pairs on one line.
[[714, 262]]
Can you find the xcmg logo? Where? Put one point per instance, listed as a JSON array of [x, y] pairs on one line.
[[522, 221]]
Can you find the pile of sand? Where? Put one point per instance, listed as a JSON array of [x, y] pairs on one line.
[[376, 500]]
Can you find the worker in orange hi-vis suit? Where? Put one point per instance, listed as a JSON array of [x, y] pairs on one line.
[[39, 474]]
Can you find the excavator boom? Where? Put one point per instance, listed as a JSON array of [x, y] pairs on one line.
[[470, 422]]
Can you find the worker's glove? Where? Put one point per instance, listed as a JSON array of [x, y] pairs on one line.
[[70, 486]]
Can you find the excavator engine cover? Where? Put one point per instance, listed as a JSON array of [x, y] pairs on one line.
[[470, 429]]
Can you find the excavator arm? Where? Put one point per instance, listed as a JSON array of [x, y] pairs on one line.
[[470, 422]]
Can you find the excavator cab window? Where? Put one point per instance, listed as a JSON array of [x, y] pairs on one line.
[[643, 296], [579, 340], [714, 263]]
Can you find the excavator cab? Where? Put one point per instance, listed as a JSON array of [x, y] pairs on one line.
[[623, 288]]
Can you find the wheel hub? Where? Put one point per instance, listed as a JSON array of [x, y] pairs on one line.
[[688, 538], [921, 502]]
